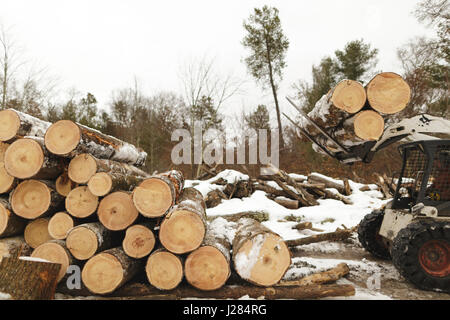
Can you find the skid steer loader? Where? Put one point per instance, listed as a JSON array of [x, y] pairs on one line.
[[413, 229]]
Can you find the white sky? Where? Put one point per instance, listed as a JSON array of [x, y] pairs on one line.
[[98, 46]]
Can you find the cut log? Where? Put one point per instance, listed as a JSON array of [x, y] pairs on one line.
[[59, 225], [116, 211], [338, 235], [81, 203], [260, 256], [3, 147], [287, 203], [139, 241], [164, 270], [10, 224], [108, 270], [32, 199], [67, 139], [208, 267], [156, 195], [64, 185], [26, 158], [55, 251], [28, 280], [83, 166], [7, 182], [14, 247], [87, 239], [367, 125], [102, 183], [36, 232], [184, 227], [329, 183], [15, 124], [331, 275], [388, 93]]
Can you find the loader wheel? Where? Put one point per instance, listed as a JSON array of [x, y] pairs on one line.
[[368, 235], [421, 253]]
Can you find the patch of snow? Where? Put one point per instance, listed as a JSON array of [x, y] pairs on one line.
[[5, 296], [244, 262], [24, 258]]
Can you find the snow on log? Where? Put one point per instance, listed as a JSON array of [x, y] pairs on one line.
[[81, 203], [164, 269], [10, 224], [15, 124], [139, 240], [388, 93], [183, 228], [60, 224], [13, 247], [260, 256], [116, 211], [67, 139], [36, 232], [108, 270], [156, 195]]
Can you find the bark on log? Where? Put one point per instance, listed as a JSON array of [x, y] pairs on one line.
[[214, 198], [27, 158], [287, 203], [10, 224], [318, 178], [338, 235], [28, 280], [328, 276], [87, 239], [259, 216], [83, 166], [260, 256], [108, 270], [55, 251], [155, 196], [63, 185], [14, 247], [208, 267], [139, 240], [388, 93], [36, 232], [81, 203], [116, 211], [67, 139], [164, 269], [183, 228], [15, 124], [103, 183], [60, 224]]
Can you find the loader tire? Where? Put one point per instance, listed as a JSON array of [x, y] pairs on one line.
[[368, 235], [421, 253]]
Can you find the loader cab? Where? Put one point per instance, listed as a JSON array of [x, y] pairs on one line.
[[425, 175]]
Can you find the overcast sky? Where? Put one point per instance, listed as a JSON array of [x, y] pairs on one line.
[[97, 46]]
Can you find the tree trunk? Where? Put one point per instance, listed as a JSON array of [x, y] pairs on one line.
[[26, 158], [87, 239], [164, 269], [12, 247], [388, 93], [156, 195], [60, 224], [15, 124], [81, 203], [331, 275], [36, 232], [184, 227], [103, 183], [83, 166], [116, 211], [10, 224], [28, 280], [208, 267], [139, 240], [260, 256], [108, 270], [44, 200], [67, 139]]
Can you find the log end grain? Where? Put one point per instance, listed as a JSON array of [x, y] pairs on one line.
[[82, 243], [81, 203], [369, 125], [64, 185], [24, 158], [31, 199], [82, 168], [182, 231], [59, 225], [207, 268], [6, 180], [56, 253], [349, 96], [36, 232], [117, 211], [388, 93], [103, 273], [153, 197], [138, 242], [62, 137], [100, 184], [164, 270], [9, 124]]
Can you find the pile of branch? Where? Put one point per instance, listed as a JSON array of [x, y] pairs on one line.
[[71, 195]]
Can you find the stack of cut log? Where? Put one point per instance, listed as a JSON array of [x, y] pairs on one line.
[[354, 114], [72, 195]]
